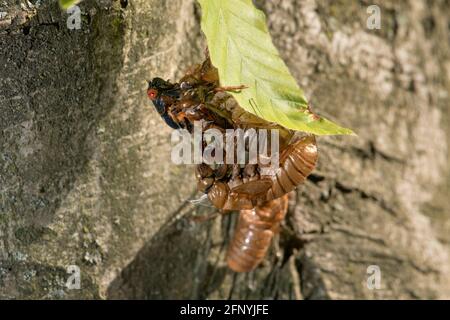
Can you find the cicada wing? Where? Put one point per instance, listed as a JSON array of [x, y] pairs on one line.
[[201, 201]]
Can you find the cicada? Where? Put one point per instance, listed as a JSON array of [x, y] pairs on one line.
[[260, 198]]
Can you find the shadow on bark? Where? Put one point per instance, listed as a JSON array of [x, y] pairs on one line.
[[56, 87]]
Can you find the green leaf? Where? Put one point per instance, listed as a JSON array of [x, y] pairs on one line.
[[241, 49], [66, 4]]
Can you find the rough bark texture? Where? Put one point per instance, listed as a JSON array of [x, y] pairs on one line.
[[86, 177]]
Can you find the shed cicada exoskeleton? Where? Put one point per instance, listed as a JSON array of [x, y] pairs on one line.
[[260, 197]]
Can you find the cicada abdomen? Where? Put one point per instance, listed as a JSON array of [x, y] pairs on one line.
[[253, 235], [297, 162]]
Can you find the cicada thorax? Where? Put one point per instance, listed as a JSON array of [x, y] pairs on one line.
[[253, 234], [202, 74]]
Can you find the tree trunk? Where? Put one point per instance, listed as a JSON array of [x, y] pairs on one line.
[[86, 178]]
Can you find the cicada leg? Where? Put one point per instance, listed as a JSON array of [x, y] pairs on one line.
[[230, 88]]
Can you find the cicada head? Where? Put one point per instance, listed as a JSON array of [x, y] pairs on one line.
[[163, 94]]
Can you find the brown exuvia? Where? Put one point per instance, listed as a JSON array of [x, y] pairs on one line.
[[261, 198]]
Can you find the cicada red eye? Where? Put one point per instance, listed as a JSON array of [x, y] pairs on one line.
[[152, 94]]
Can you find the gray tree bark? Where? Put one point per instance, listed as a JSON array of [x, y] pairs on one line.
[[86, 177]]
